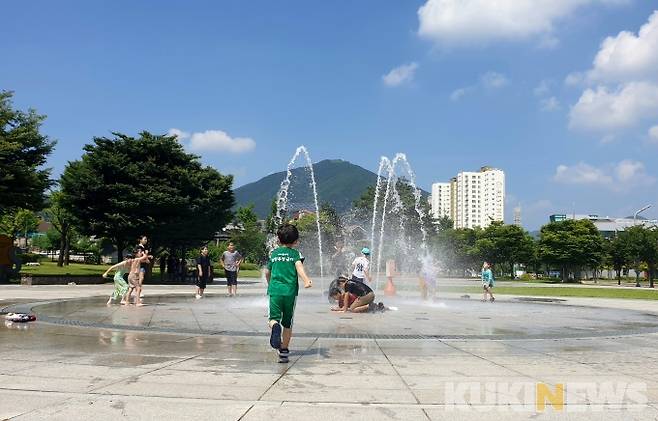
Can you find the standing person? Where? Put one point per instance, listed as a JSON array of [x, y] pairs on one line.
[[133, 277], [361, 266], [487, 282], [142, 246], [231, 260], [120, 285], [284, 268], [204, 269]]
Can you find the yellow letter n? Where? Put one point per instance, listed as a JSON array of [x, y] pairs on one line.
[[555, 398]]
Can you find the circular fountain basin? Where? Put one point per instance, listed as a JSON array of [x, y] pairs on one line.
[[247, 315]]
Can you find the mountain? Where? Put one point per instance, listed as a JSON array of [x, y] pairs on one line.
[[339, 183]]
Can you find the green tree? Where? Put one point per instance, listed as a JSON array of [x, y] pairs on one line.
[[251, 240], [506, 245], [23, 152], [21, 222], [62, 221], [571, 245], [617, 254], [125, 186], [642, 249]]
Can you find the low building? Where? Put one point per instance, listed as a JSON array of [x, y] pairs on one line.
[[607, 226]]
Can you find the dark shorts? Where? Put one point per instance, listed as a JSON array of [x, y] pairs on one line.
[[231, 277], [202, 282], [355, 279]]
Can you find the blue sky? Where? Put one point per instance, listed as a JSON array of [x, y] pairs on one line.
[[552, 91]]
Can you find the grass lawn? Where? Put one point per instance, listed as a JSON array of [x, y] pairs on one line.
[[630, 293], [51, 268]]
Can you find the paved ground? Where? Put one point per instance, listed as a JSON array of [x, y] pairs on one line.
[[414, 363]]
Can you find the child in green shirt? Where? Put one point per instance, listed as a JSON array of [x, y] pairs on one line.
[[284, 268]]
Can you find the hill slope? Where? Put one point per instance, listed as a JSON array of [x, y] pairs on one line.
[[339, 183]]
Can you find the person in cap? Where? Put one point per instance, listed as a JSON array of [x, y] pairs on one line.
[[360, 265]]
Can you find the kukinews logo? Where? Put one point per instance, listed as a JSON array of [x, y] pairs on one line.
[[542, 397]]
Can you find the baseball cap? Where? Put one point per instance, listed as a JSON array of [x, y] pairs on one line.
[[365, 250]]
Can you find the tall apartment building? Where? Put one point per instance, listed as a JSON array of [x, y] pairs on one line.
[[476, 198], [440, 200]]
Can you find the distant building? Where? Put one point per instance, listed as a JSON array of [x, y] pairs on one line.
[[476, 199], [440, 200], [607, 226]]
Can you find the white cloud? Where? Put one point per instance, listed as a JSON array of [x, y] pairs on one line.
[[544, 88], [628, 169], [400, 75], [653, 134], [458, 94], [493, 80], [483, 21], [574, 79], [621, 176], [181, 135], [603, 110], [581, 173], [623, 91], [550, 104], [214, 141], [219, 141], [627, 56]]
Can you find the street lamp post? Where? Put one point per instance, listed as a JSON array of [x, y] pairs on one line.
[[637, 275], [639, 211]]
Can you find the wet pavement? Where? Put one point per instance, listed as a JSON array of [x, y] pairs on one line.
[[210, 359]]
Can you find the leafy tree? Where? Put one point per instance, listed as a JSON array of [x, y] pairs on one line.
[[23, 152], [20, 222], [62, 221], [617, 254], [641, 249], [443, 223], [251, 240], [571, 245], [125, 186], [505, 244], [271, 222]]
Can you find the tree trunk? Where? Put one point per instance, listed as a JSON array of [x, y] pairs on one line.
[[564, 274], [67, 251], [651, 271], [618, 276], [512, 271], [62, 248]]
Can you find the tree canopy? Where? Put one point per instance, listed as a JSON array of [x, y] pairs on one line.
[[126, 186], [23, 152]]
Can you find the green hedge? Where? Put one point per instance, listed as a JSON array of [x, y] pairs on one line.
[[29, 258]]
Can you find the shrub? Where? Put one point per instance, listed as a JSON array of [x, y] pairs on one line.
[[29, 257]]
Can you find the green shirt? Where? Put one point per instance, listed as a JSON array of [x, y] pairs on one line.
[[283, 273]]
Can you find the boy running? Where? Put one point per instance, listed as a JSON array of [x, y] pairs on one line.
[[284, 268]]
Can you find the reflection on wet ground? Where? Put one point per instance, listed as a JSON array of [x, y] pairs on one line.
[[446, 319]]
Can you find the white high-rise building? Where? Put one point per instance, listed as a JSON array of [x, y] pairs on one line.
[[476, 198], [440, 200]]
